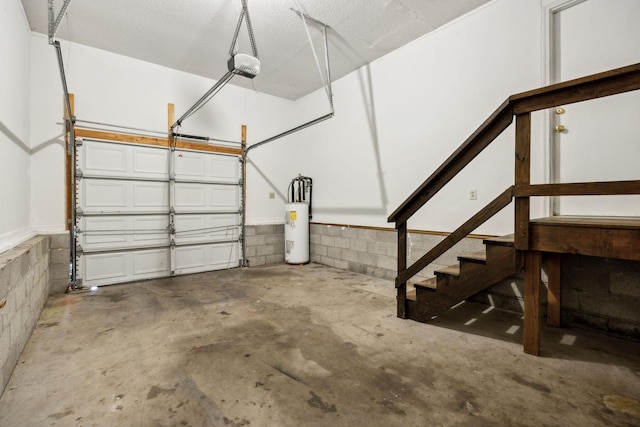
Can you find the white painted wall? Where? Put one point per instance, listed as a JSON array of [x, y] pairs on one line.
[[115, 89], [15, 44], [398, 118], [396, 121]]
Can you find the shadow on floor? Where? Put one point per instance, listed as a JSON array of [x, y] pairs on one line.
[[557, 343]]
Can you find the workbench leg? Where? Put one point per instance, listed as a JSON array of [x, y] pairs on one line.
[[532, 285], [554, 273]]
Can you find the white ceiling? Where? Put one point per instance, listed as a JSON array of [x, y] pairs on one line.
[[195, 35]]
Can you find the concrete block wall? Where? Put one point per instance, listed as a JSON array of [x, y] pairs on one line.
[[264, 244], [24, 288], [59, 263], [602, 293], [374, 251]]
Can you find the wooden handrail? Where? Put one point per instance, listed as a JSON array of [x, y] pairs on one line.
[[606, 188], [599, 85], [478, 141], [495, 206], [608, 83]]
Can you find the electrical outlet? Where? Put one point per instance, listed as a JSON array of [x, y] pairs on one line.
[[272, 195], [473, 194]]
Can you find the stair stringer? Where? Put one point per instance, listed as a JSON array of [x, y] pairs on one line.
[[472, 278]]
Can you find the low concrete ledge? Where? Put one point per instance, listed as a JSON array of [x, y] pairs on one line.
[[24, 289]]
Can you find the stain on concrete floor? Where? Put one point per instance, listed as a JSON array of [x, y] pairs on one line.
[[304, 345]]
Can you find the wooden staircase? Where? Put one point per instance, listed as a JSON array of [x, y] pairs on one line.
[[452, 285], [476, 271]]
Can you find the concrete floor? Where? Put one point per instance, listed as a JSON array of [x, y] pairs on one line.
[[305, 346]]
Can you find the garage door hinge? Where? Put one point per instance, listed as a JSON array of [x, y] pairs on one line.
[[79, 212], [79, 142], [171, 229], [173, 243], [79, 249], [172, 177], [78, 173]]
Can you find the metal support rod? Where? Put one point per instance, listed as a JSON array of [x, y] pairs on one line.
[[146, 131], [120, 127], [232, 49], [311, 18], [63, 11], [205, 98], [327, 88], [67, 103], [71, 152], [51, 20], [290, 131], [252, 38], [53, 26], [326, 59]]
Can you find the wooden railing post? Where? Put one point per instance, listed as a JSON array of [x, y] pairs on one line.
[[522, 177], [532, 286], [401, 298]]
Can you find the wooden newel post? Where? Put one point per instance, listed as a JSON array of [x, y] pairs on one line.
[[402, 266], [532, 259], [522, 178], [532, 286]]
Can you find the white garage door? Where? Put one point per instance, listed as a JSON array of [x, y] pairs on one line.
[[146, 212]]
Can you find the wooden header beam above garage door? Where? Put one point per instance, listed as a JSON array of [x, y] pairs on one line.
[[147, 140], [161, 142]]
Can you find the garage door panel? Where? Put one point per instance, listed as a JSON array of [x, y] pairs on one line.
[[103, 159], [122, 196], [135, 223], [200, 197], [150, 195], [198, 228], [103, 194], [215, 256], [206, 167], [150, 262], [150, 162], [150, 230], [118, 267], [106, 159], [122, 232], [104, 267]]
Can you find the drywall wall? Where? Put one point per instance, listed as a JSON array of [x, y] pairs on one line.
[[15, 148], [115, 89], [399, 117], [396, 120]]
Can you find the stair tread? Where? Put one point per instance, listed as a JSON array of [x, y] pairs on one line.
[[477, 257], [431, 283], [500, 240], [452, 270]]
